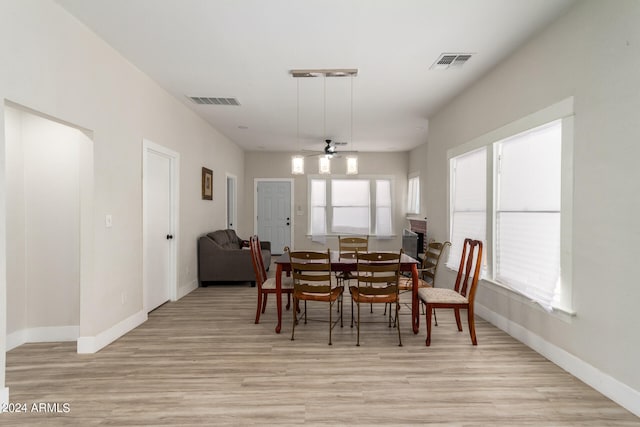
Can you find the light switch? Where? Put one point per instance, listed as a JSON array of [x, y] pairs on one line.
[[108, 221]]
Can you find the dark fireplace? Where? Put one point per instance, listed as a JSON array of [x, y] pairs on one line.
[[419, 226]]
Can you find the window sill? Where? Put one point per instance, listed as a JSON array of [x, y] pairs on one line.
[[565, 314], [374, 236]]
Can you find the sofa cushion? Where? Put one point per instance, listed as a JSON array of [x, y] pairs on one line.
[[227, 239]]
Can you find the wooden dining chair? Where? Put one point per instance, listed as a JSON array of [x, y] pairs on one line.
[[376, 283], [266, 285], [427, 271], [313, 281], [462, 296], [348, 246]]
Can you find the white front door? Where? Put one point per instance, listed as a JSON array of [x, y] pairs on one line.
[[159, 235], [274, 214]]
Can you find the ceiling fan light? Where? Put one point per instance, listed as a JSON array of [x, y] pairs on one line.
[[324, 165], [297, 165], [352, 165]]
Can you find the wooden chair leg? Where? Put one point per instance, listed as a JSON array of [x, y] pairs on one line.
[[458, 322], [358, 325], [258, 307], [330, 320], [294, 312], [264, 302], [435, 317], [352, 312], [472, 326], [288, 301], [397, 322], [428, 319]]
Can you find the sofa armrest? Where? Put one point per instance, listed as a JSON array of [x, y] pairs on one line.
[[266, 246]]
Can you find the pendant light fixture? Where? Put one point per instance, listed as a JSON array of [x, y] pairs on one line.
[[297, 161], [324, 161], [352, 160]]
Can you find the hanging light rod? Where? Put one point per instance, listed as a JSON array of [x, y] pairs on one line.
[[330, 72]]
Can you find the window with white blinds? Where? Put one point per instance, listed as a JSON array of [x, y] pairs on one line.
[[468, 201], [512, 189], [318, 207], [384, 223], [350, 206], [527, 218], [413, 195]]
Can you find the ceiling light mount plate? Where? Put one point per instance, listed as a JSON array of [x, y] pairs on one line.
[[325, 72]]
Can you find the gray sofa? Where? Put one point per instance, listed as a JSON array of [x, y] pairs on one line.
[[224, 257]]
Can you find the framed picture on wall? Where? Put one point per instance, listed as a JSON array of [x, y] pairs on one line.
[[207, 184]]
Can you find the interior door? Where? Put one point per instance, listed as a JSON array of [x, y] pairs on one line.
[[158, 232], [274, 214], [231, 202]]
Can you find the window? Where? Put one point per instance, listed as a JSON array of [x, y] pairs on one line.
[[318, 202], [413, 195], [383, 208], [468, 201], [512, 189], [528, 212], [357, 206], [350, 206]]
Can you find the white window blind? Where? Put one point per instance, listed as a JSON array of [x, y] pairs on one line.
[[413, 195], [383, 208], [350, 206], [318, 203], [528, 212], [468, 201]]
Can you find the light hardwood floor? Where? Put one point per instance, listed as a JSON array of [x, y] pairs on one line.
[[203, 361]]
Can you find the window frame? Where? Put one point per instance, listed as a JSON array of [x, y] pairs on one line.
[[564, 111], [373, 206], [411, 195]]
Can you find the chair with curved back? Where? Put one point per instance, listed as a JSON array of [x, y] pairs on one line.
[[312, 281], [377, 282], [462, 296], [347, 248], [428, 269], [265, 285]]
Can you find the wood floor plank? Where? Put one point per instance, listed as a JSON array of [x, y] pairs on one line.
[[202, 361]]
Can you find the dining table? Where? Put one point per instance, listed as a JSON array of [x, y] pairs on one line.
[[349, 264]]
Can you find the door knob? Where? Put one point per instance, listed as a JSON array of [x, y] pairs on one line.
[[169, 236]]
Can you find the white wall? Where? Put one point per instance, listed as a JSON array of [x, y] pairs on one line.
[[593, 54], [278, 165], [43, 232], [51, 63]]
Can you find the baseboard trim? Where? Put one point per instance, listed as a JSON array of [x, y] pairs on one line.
[[4, 396], [615, 390], [42, 334], [186, 289], [92, 344]]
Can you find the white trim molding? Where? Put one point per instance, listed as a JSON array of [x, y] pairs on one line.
[[4, 396], [615, 390], [43, 334], [187, 289], [93, 344]]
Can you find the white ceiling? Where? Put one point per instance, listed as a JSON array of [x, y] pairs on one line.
[[245, 49]]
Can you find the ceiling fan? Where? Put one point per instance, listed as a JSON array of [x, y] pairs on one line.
[[330, 149]]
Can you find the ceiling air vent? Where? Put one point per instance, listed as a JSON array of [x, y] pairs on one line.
[[202, 100], [450, 60]]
